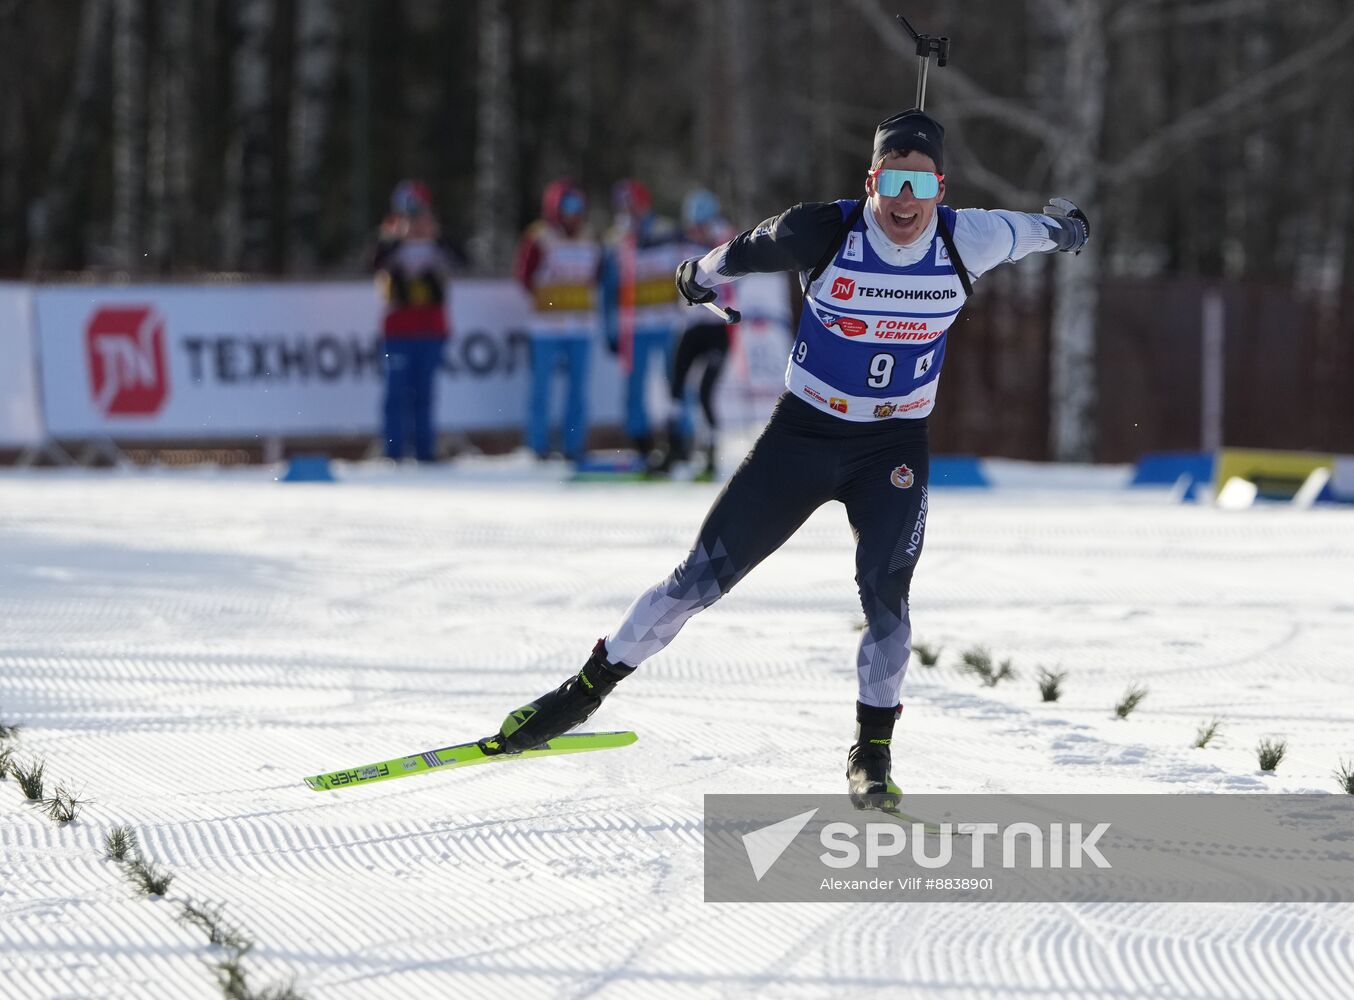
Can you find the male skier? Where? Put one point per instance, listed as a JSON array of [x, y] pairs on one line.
[[558, 262], [884, 279], [640, 307], [702, 345], [413, 266]]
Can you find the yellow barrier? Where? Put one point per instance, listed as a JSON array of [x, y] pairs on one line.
[[1277, 474]]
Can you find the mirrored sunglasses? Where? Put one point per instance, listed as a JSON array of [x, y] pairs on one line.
[[924, 183]]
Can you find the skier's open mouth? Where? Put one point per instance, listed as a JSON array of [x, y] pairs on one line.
[[903, 220]]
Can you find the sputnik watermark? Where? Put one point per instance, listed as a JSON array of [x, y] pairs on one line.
[[1024, 848], [1020, 844], [765, 845]]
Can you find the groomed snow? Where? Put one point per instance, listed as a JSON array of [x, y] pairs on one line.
[[183, 648]]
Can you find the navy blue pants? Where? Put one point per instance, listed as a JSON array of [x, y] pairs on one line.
[[708, 342], [411, 367], [803, 459]]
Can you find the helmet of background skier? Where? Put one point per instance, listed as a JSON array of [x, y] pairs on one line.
[[699, 208], [563, 203], [631, 197], [411, 197]]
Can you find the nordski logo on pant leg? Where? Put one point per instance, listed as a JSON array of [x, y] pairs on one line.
[[919, 529]]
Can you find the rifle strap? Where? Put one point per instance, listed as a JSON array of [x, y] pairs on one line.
[[847, 225], [955, 259]]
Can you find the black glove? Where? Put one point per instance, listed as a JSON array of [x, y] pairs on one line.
[[691, 290], [1076, 228]]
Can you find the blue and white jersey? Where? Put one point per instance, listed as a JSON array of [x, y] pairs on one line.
[[871, 340], [871, 337]]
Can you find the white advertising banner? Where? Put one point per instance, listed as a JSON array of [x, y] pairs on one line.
[[205, 361], [185, 362], [20, 412]]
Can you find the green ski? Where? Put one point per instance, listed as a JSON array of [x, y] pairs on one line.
[[463, 755]]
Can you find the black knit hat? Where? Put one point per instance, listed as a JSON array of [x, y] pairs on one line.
[[911, 130]]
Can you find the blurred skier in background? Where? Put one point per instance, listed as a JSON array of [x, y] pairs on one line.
[[702, 346], [640, 305], [413, 266], [558, 262]]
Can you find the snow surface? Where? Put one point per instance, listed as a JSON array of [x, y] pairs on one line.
[[184, 647]]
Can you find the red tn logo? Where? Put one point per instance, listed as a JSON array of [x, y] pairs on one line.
[[127, 372], [843, 288]]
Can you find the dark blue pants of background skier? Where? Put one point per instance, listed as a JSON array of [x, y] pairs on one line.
[[411, 367]]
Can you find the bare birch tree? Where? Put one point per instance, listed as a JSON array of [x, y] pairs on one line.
[[822, 76], [317, 62], [709, 112], [359, 126], [582, 35], [12, 134], [491, 244], [169, 141], [246, 222], [1080, 111], [742, 147], [174, 226], [129, 134], [77, 137], [159, 215]]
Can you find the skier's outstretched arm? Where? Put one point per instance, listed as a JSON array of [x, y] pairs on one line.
[[988, 237], [791, 241]]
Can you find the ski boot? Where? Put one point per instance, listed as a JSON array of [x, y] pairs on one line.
[[708, 465], [867, 764], [679, 445], [649, 456], [556, 712]]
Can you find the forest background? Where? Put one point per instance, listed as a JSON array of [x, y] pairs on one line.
[[1209, 141]]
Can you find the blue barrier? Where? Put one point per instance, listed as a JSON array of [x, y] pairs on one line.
[[310, 468], [1164, 468], [958, 470], [613, 464]]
